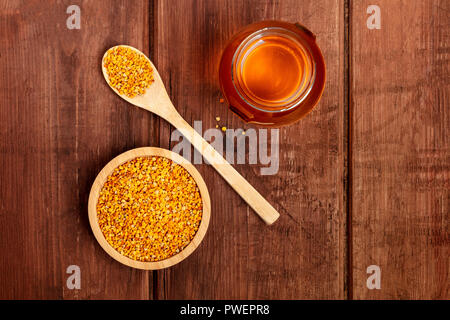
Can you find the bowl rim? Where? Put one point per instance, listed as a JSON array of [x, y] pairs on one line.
[[101, 179]]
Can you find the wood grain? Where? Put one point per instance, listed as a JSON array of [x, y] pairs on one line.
[[60, 125], [401, 151], [302, 255]]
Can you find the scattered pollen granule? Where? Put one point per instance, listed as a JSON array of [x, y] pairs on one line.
[[149, 208], [129, 71]]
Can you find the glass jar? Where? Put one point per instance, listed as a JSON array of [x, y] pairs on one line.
[[272, 73]]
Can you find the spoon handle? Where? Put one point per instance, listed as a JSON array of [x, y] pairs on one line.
[[254, 199]]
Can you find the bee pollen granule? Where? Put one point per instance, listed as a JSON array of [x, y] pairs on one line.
[[149, 208]]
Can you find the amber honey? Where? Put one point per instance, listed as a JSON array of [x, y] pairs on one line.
[[271, 70], [272, 73]]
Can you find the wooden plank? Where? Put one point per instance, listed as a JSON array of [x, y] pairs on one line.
[[303, 254], [60, 125], [401, 152]]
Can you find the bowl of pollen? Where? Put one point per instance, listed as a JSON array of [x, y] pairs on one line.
[[149, 208]]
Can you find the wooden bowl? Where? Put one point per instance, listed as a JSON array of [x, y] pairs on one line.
[[108, 170]]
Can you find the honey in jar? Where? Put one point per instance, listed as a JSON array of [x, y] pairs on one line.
[[272, 73]]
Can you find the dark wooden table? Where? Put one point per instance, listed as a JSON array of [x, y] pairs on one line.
[[363, 180]]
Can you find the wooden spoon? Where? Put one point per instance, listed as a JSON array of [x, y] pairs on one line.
[[156, 100]]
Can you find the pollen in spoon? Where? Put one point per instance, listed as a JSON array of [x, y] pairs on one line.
[[129, 72]]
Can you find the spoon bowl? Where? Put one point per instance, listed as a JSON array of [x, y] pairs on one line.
[[155, 95]]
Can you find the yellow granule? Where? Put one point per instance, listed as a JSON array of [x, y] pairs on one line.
[[129, 72], [149, 208]]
